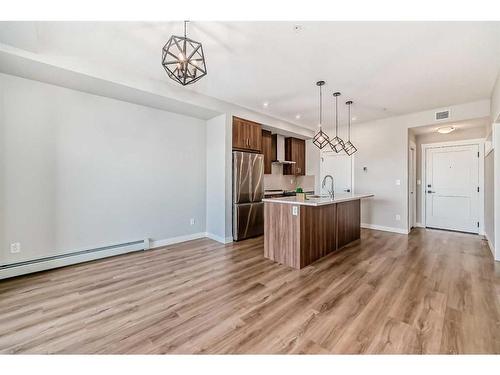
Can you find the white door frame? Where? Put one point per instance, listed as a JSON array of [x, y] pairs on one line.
[[328, 152], [412, 200], [469, 142]]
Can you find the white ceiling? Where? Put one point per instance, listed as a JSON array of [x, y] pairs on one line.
[[387, 68], [459, 125]]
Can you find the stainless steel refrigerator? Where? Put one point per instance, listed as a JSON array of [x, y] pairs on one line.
[[248, 191]]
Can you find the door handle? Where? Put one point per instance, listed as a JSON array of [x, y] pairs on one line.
[[430, 192]]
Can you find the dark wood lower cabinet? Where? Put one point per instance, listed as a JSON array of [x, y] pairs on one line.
[[314, 232]]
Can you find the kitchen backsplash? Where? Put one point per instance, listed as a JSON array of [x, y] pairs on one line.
[[277, 181]]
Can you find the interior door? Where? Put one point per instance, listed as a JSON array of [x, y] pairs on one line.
[[412, 187], [339, 166], [451, 190]]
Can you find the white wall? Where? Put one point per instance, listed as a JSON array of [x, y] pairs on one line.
[[495, 101], [216, 178], [489, 198], [79, 171], [313, 164], [493, 174], [496, 187], [383, 149]]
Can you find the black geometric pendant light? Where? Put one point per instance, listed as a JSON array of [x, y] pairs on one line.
[[349, 148], [320, 139], [337, 144], [183, 59]]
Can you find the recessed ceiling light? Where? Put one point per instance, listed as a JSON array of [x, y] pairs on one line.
[[446, 129], [297, 116], [265, 104]]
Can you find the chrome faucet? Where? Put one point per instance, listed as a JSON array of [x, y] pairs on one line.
[[331, 191]]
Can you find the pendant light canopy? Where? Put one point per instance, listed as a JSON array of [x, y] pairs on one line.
[[349, 148], [320, 139], [337, 144], [183, 59]]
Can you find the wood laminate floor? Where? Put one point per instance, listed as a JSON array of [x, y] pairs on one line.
[[429, 292]]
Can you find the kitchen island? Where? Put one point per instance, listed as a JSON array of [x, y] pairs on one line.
[[299, 232]]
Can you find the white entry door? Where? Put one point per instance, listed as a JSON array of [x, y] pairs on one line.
[[451, 190], [339, 166]]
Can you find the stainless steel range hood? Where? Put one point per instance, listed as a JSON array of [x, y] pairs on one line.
[[280, 151]]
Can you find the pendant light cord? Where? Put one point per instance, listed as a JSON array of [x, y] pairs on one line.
[[320, 107], [336, 115], [349, 130], [185, 27]]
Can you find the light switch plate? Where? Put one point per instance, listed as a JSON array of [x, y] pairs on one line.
[[398, 182], [15, 248], [295, 210]]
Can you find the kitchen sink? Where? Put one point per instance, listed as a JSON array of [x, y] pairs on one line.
[[314, 196]]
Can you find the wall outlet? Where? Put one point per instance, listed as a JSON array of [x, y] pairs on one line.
[[15, 247], [398, 217], [295, 210], [419, 182], [192, 221], [398, 182]]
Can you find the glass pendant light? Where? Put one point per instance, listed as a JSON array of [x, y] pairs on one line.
[[183, 59], [337, 144], [320, 139], [349, 148]]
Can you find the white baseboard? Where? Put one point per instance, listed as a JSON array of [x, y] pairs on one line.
[[174, 240], [218, 238], [385, 229], [189, 237], [490, 245], [419, 225], [67, 260]]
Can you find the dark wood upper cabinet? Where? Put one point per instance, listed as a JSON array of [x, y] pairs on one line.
[[267, 150], [295, 150], [247, 135]]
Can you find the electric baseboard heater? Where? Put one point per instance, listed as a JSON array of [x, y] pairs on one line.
[[56, 261]]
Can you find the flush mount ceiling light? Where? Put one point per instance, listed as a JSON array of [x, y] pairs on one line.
[[320, 139], [349, 148], [337, 144], [183, 59], [446, 129]]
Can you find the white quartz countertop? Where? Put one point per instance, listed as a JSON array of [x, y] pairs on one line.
[[320, 201]]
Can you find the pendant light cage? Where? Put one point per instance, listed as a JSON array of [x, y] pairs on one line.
[[336, 144], [183, 59], [320, 139], [349, 148]]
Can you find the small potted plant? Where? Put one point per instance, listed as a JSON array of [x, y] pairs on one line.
[[300, 195]]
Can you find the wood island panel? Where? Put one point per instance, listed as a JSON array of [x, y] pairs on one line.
[[317, 232], [282, 234], [348, 222]]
